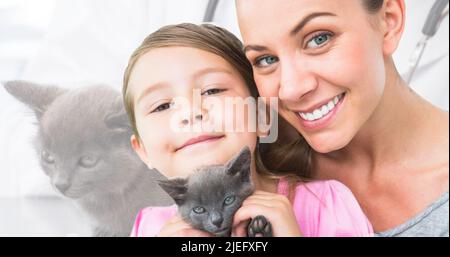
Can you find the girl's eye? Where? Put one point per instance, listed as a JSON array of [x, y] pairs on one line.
[[229, 200], [199, 210], [213, 91], [266, 61], [319, 40], [162, 107]]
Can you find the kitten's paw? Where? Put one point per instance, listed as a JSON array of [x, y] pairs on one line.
[[259, 227]]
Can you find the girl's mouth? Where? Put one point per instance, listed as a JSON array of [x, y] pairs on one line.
[[199, 140], [322, 116]]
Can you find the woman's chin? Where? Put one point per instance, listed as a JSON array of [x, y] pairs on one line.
[[326, 145]]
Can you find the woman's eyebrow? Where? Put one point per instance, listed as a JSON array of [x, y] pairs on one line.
[[256, 48], [307, 19], [294, 31]]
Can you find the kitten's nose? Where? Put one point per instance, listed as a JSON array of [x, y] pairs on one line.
[[216, 219], [62, 186]]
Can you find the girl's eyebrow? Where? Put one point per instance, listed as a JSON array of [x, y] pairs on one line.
[[208, 70], [150, 89], [161, 85]]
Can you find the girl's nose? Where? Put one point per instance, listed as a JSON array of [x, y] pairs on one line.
[[296, 81], [198, 116], [185, 121]]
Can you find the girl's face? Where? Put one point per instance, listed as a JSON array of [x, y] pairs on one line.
[[167, 84], [324, 59]]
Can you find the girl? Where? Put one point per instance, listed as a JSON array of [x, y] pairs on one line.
[[382, 140], [159, 82]]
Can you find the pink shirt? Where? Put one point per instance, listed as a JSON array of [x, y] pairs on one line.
[[322, 208]]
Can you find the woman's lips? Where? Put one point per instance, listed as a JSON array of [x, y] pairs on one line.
[[200, 139], [319, 120]]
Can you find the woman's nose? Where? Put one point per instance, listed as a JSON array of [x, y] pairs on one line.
[[295, 82]]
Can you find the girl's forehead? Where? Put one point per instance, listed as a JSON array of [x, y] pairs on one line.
[[173, 62], [171, 66]]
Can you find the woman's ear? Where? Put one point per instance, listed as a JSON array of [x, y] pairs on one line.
[[140, 150], [393, 15]]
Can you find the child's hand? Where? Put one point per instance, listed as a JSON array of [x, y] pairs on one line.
[[177, 227], [275, 207]]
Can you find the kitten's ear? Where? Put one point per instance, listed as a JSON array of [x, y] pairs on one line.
[[240, 163], [176, 188], [37, 97], [118, 119]]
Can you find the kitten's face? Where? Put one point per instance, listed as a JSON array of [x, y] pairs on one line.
[[88, 167], [78, 151], [83, 137], [210, 197]]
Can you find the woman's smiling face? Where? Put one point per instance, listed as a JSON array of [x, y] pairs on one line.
[[163, 85], [324, 59]]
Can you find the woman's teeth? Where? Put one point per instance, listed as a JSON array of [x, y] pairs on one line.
[[322, 111]]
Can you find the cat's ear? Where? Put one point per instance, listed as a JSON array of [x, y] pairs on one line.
[[176, 188], [118, 118], [37, 97], [240, 164]]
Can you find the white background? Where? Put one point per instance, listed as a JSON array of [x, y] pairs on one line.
[[75, 43]]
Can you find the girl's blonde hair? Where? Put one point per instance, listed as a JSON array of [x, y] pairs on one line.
[[289, 156]]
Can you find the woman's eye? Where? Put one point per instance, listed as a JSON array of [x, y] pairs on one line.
[[229, 200], [319, 40], [199, 210], [213, 91], [162, 107], [266, 61]]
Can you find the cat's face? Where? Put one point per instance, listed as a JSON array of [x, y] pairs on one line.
[[88, 166], [81, 144], [210, 197]]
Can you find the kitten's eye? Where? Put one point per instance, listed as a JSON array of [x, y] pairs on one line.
[[47, 157], [88, 161], [229, 200], [199, 210]]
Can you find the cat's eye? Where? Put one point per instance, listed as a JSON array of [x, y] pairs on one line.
[[47, 157], [88, 161], [229, 200], [199, 210]]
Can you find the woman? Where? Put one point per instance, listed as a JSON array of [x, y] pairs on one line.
[[330, 63]]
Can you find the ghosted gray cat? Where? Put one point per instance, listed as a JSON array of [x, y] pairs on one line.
[[84, 146], [209, 198]]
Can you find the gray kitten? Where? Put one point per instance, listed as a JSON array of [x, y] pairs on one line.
[[84, 146], [209, 198]]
